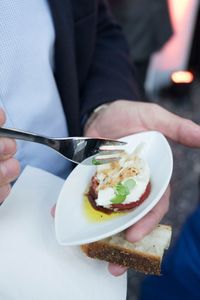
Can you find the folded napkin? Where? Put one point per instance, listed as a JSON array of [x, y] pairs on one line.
[[32, 264]]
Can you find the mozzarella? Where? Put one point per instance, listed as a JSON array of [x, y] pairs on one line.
[[108, 178]]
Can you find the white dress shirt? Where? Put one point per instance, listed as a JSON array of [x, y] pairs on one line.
[[28, 91]]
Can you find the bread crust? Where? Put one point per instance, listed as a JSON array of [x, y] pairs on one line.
[[148, 264], [144, 256]]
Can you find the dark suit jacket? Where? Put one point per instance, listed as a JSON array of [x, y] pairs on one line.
[[91, 58]]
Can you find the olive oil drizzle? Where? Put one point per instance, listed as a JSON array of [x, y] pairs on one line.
[[94, 215]]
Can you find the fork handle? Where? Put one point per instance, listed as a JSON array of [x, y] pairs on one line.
[[26, 136]]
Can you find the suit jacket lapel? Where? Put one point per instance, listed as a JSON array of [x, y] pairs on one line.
[[65, 62]]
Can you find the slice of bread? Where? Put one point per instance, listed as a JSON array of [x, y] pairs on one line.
[[143, 256]]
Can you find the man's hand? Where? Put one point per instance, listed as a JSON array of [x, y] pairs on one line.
[[9, 167], [122, 118]]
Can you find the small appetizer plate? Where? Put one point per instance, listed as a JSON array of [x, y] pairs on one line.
[[73, 226]]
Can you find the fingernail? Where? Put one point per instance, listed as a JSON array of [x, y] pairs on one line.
[[7, 147], [133, 236], [9, 170], [6, 171], [116, 270]]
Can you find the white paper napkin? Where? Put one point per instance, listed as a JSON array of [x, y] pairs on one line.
[[32, 264]]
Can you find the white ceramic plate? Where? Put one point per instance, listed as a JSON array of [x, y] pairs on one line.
[[73, 227]]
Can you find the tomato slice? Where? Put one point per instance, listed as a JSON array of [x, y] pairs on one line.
[[115, 207]]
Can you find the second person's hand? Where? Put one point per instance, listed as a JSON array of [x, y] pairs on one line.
[[122, 118]]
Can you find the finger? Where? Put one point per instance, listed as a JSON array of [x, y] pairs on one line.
[[116, 270], [9, 171], [4, 191], [53, 210], [8, 148], [148, 222], [2, 117], [181, 130]]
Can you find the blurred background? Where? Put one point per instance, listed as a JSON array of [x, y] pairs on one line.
[[164, 38]]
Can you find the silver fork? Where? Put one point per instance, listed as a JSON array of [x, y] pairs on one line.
[[85, 150]]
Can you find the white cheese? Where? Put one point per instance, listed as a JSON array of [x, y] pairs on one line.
[[105, 196], [141, 178]]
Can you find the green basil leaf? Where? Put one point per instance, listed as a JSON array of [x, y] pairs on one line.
[[130, 184], [95, 162], [121, 189], [118, 199]]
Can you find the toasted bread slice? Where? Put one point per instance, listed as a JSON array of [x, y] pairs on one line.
[[143, 256]]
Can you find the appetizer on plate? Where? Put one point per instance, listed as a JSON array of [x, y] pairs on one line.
[[120, 185]]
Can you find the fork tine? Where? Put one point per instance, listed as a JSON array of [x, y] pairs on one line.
[[111, 148], [107, 156], [99, 159], [106, 161], [111, 151], [110, 143]]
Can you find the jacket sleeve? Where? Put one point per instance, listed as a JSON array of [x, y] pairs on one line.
[[111, 74]]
